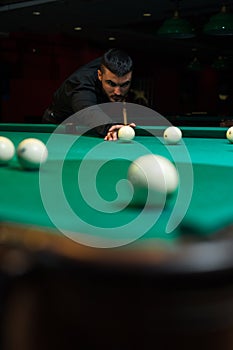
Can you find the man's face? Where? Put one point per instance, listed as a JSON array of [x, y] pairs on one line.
[[116, 88]]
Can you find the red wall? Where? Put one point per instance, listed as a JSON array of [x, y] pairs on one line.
[[35, 68]]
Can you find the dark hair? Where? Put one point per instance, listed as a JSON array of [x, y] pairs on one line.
[[117, 61]]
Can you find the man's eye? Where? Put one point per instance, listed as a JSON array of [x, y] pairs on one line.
[[125, 84], [111, 83]]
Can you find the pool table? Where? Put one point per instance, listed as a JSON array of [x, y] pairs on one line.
[[77, 207], [81, 192]]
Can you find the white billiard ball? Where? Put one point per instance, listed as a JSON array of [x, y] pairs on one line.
[[126, 133], [7, 150], [153, 178], [229, 134], [172, 135], [32, 153]]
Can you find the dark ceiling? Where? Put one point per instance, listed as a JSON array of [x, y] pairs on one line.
[[122, 19]]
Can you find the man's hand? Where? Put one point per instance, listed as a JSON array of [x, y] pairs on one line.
[[112, 134]]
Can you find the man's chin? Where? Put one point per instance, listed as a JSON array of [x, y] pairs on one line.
[[116, 99]]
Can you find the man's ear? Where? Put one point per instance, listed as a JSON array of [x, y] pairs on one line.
[[99, 75]]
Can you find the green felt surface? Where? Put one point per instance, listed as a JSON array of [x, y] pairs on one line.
[[83, 187]]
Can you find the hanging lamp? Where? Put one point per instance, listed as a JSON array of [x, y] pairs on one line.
[[176, 28], [220, 24], [221, 63]]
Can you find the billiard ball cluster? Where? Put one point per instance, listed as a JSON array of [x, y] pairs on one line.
[[31, 152], [154, 177], [150, 173], [172, 135]]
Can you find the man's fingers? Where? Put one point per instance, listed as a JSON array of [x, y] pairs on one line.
[[113, 130]]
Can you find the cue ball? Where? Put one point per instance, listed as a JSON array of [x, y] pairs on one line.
[[172, 135], [229, 134], [32, 153], [153, 177], [7, 150], [126, 133]]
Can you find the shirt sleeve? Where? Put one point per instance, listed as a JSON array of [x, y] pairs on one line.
[[83, 97], [94, 118]]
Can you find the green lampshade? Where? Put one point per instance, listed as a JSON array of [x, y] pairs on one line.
[[220, 24], [221, 63], [177, 28]]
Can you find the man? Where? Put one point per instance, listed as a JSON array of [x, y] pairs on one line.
[[105, 79]]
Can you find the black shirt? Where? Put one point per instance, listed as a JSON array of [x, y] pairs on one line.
[[80, 90], [77, 100]]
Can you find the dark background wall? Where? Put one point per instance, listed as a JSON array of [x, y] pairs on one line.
[[33, 66]]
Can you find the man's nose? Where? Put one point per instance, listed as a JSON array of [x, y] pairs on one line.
[[117, 90]]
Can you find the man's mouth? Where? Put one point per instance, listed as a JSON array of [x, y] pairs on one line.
[[117, 98]]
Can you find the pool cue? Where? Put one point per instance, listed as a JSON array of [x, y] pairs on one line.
[[124, 114]]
